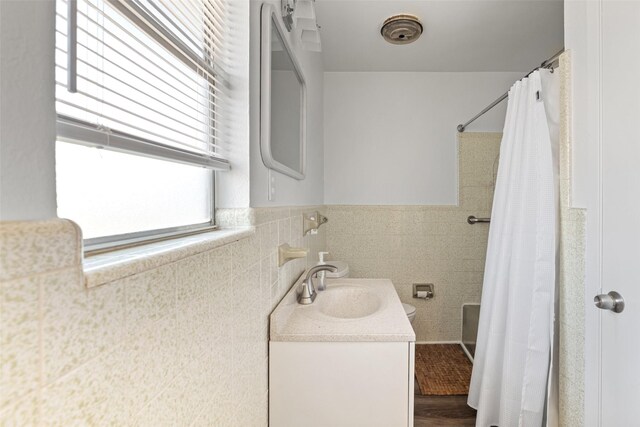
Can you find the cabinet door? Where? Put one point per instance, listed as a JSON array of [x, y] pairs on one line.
[[340, 384]]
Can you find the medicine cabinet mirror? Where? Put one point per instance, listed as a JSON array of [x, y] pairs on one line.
[[282, 99]]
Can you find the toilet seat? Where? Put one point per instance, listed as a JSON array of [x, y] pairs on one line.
[[409, 309]]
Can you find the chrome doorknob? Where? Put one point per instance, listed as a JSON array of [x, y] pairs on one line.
[[612, 301]]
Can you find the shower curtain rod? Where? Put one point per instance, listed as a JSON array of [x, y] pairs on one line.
[[545, 64]]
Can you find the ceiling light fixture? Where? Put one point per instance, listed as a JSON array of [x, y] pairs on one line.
[[401, 29]]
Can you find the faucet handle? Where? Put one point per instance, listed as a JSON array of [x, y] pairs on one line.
[[308, 293]]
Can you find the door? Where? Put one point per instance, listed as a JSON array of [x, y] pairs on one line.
[[619, 214]]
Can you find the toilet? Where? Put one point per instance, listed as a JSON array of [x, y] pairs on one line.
[[410, 311], [343, 271]]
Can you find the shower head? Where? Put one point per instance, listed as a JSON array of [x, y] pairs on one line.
[[401, 29]]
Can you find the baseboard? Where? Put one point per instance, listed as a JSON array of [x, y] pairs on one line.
[[438, 342]]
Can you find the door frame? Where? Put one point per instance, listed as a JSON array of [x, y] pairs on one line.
[[593, 64]]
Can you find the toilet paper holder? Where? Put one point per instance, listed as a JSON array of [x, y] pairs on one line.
[[423, 290]]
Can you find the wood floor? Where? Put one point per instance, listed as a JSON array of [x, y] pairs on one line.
[[435, 411], [442, 411], [442, 370]]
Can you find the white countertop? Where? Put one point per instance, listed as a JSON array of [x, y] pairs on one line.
[[291, 321]]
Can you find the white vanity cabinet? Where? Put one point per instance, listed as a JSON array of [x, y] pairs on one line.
[[347, 360], [335, 384]]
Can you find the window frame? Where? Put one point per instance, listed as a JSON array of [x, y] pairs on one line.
[[70, 130], [100, 245]]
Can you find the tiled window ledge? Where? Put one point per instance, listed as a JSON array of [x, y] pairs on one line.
[[107, 267]]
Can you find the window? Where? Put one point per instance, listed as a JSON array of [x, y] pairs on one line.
[[140, 95]]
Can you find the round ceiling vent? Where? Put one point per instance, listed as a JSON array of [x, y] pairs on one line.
[[401, 29]]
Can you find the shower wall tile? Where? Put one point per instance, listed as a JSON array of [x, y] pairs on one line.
[[426, 244], [571, 271], [182, 343]]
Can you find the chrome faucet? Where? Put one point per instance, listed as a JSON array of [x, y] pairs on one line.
[[308, 294]]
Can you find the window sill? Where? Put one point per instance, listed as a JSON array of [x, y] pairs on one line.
[[107, 267]]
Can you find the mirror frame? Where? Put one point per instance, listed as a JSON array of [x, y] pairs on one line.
[[269, 17]]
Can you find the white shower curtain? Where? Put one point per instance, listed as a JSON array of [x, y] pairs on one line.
[[512, 372]]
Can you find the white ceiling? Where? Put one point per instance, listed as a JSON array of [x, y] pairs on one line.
[[459, 35]]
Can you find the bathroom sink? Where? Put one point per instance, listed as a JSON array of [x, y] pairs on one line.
[[348, 302], [349, 310]]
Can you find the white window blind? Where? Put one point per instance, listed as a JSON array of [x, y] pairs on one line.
[[144, 77]]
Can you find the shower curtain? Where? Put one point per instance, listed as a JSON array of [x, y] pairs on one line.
[[514, 380]]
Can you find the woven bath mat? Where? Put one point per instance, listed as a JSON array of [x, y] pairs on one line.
[[442, 370]]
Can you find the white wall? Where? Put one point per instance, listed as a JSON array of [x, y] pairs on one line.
[[289, 191], [390, 137], [232, 187], [27, 110], [579, 36]]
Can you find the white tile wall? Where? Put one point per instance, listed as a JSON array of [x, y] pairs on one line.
[[184, 343]]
